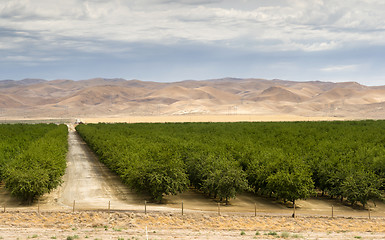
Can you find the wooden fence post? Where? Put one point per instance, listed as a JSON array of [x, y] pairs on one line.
[[369, 212], [219, 209], [182, 208], [255, 209], [293, 210], [145, 207], [73, 207]]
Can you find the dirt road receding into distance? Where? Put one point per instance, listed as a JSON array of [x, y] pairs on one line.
[[90, 183]]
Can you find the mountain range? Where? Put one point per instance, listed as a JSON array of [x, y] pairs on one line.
[[100, 97]]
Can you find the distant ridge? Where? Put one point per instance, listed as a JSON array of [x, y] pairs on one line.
[[120, 97]]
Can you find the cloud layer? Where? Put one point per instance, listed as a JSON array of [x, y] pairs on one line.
[[295, 39]]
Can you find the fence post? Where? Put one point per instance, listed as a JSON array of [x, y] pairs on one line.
[[293, 210], [182, 208], [73, 207], [145, 207], [255, 209], [332, 211], [109, 207], [219, 209], [369, 212], [4, 207]]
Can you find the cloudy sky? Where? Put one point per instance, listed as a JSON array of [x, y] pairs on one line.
[[170, 40]]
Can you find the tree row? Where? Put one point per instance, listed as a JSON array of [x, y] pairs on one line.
[[32, 158], [288, 160]]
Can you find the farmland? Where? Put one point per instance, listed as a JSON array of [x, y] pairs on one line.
[[288, 161], [241, 147]]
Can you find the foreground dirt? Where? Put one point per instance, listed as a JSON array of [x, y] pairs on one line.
[[130, 225]]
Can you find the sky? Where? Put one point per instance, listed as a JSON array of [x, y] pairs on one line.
[[169, 40]]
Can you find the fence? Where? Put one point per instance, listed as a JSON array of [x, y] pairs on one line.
[[219, 209]]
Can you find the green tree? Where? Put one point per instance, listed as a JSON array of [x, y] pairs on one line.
[[291, 185], [362, 186]]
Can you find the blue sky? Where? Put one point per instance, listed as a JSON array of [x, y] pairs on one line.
[[169, 40]]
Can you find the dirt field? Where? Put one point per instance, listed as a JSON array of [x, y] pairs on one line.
[[208, 118], [93, 187], [129, 225]]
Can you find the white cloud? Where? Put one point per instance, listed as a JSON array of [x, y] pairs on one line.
[[341, 68], [314, 25], [48, 30]]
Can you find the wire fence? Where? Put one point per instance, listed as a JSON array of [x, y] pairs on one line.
[[218, 209]]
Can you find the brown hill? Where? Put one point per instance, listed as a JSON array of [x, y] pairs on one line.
[[278, 94], [9, 102], [120, 97]]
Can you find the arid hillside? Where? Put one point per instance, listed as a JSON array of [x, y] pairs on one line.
[[37, 98]]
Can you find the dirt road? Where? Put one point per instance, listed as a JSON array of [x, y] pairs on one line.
[[90, 183]]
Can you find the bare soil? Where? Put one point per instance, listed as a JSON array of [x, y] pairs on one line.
[[161, 225], [209, 118]]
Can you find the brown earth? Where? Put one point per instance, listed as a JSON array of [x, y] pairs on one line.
[[130, 225], [34, 98]]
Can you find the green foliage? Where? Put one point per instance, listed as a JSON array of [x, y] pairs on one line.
[[361, 186], [291, 183], [287, 160], [39, 162]]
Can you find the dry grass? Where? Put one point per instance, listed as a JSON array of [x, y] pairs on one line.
[[191, 226]]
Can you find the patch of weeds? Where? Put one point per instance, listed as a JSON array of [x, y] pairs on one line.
[[154, 232], [296, 236], [35, 236], [74, 229], [243, 233], [285, 235], [117, 229], [53, 237], [357, 237], [105, 227], [271, 233], [119, 238], [86, 236], [73, 237], [257, 233]]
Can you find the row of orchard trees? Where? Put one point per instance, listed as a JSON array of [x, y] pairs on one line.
[[285, 160], [32, 158]]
